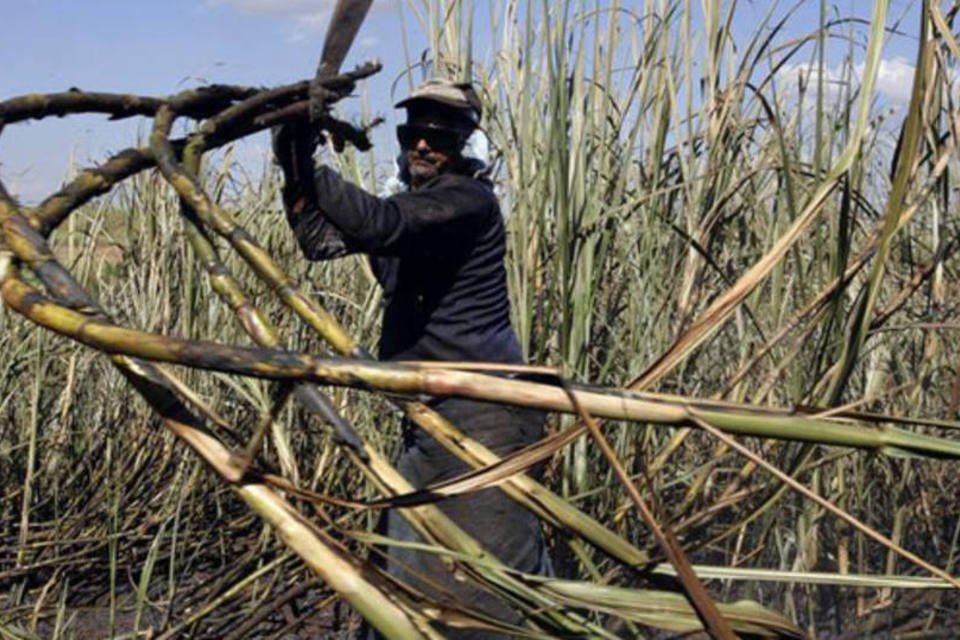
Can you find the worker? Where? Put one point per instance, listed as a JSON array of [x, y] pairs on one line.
[[437, 248]]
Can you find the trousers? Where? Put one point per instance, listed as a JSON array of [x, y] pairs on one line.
[[504, 528]]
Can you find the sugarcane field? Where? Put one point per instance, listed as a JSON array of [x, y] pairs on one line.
[[425, 319]]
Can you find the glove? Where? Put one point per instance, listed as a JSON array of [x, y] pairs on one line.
[[324, 126], [293, 146]]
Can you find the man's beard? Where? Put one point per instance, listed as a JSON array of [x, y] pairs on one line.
[[423, 168]]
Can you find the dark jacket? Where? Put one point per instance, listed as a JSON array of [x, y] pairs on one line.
[[438, 253]]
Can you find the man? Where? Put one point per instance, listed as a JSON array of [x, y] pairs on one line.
[[437, 248]]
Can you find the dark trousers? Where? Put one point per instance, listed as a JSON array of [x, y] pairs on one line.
[[504, 528]]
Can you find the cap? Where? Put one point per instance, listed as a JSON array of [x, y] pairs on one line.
[[459, 95]]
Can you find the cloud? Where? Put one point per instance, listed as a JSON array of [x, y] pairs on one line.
[[894, 80], [792, 77]]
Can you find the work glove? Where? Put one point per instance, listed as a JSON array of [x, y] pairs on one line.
[[325, 127], [293, 146]]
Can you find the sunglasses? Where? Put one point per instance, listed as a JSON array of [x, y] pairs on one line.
[[437, 138]]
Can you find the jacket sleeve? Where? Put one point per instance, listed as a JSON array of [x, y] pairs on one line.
[[318, 238], [436, 219]]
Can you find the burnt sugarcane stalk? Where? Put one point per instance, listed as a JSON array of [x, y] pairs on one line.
[[434, 524], [250, 250], [452, 537], [411, 379], [200, 103], [255, 323], [427, 520], [237, 113], [360, 584]]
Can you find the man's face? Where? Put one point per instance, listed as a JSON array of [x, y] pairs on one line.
[[430, 151]]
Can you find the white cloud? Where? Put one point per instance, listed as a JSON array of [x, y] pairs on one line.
[[792, 77], [894, 79]]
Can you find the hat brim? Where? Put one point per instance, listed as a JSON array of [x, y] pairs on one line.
[[460, 105], [430, 112]]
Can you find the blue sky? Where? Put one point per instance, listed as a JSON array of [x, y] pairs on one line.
[[157, 48]]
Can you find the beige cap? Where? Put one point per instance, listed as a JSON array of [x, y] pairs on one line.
[[459, 95]]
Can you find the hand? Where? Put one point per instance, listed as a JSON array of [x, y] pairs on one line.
[[293, 145], [320, 112]]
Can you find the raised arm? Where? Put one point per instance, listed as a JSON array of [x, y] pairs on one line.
[[440, 217], [318, 239]]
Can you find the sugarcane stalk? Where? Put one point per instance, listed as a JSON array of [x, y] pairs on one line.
[[27, 239], [198, 103], [235, 112], [359, 584], [429, 521], [408, 379], [255, 323], [713, 621], [432, 524], [247, 246], [203, 102]]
